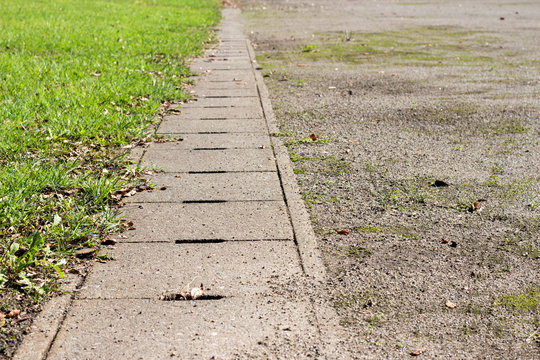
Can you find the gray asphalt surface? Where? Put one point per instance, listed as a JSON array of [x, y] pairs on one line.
[[400, 94]]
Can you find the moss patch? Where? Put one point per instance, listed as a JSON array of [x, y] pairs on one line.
[[527, 301]]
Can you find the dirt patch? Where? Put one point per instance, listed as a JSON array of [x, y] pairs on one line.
[[396, 119]]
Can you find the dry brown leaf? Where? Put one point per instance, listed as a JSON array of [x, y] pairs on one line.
[[13, 313], [313, 137], [18, 320], [440, 183], [108, 241], [342, 232], [450, 304], [418, 352], [197, 292]]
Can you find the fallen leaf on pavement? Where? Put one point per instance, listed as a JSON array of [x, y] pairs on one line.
[[197, 292], [418, 352], [313, 137], [440, 183], [342, 232], [450, 304]]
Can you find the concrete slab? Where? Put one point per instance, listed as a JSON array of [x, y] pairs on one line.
[[45, 324], [222, 113], [241, 160], [213, 141], [220, 64], [226, 86], [224, 329], [221, 267], [167, 222], [201, 102], [248, 186], [213, 126]]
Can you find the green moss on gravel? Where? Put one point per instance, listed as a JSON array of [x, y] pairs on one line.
[[527, 301], [417, 46]]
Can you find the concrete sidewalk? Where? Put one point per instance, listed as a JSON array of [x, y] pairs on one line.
[[229, 218]]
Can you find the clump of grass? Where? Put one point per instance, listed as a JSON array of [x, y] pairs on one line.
[[318, 198], [78, 81], [296, 157], [359, 250]]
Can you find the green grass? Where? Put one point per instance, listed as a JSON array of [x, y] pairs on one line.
[[78, 81]]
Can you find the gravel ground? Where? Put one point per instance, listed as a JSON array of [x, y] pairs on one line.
[[426, 116]]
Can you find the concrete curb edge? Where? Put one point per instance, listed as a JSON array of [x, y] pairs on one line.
[[45, 326], [303, 232]]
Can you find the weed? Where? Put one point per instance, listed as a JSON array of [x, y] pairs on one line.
[[309, 47], [307, 140], [335, 167], [298, 171], [318, 198], [359, 250], [298, 83], [296, 157], [373, 321]]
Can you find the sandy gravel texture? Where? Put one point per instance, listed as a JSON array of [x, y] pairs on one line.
[[399, 95]]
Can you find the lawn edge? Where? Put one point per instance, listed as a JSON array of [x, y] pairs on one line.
[[48, 321]]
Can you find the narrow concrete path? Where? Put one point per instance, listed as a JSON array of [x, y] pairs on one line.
[[229, 218]]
